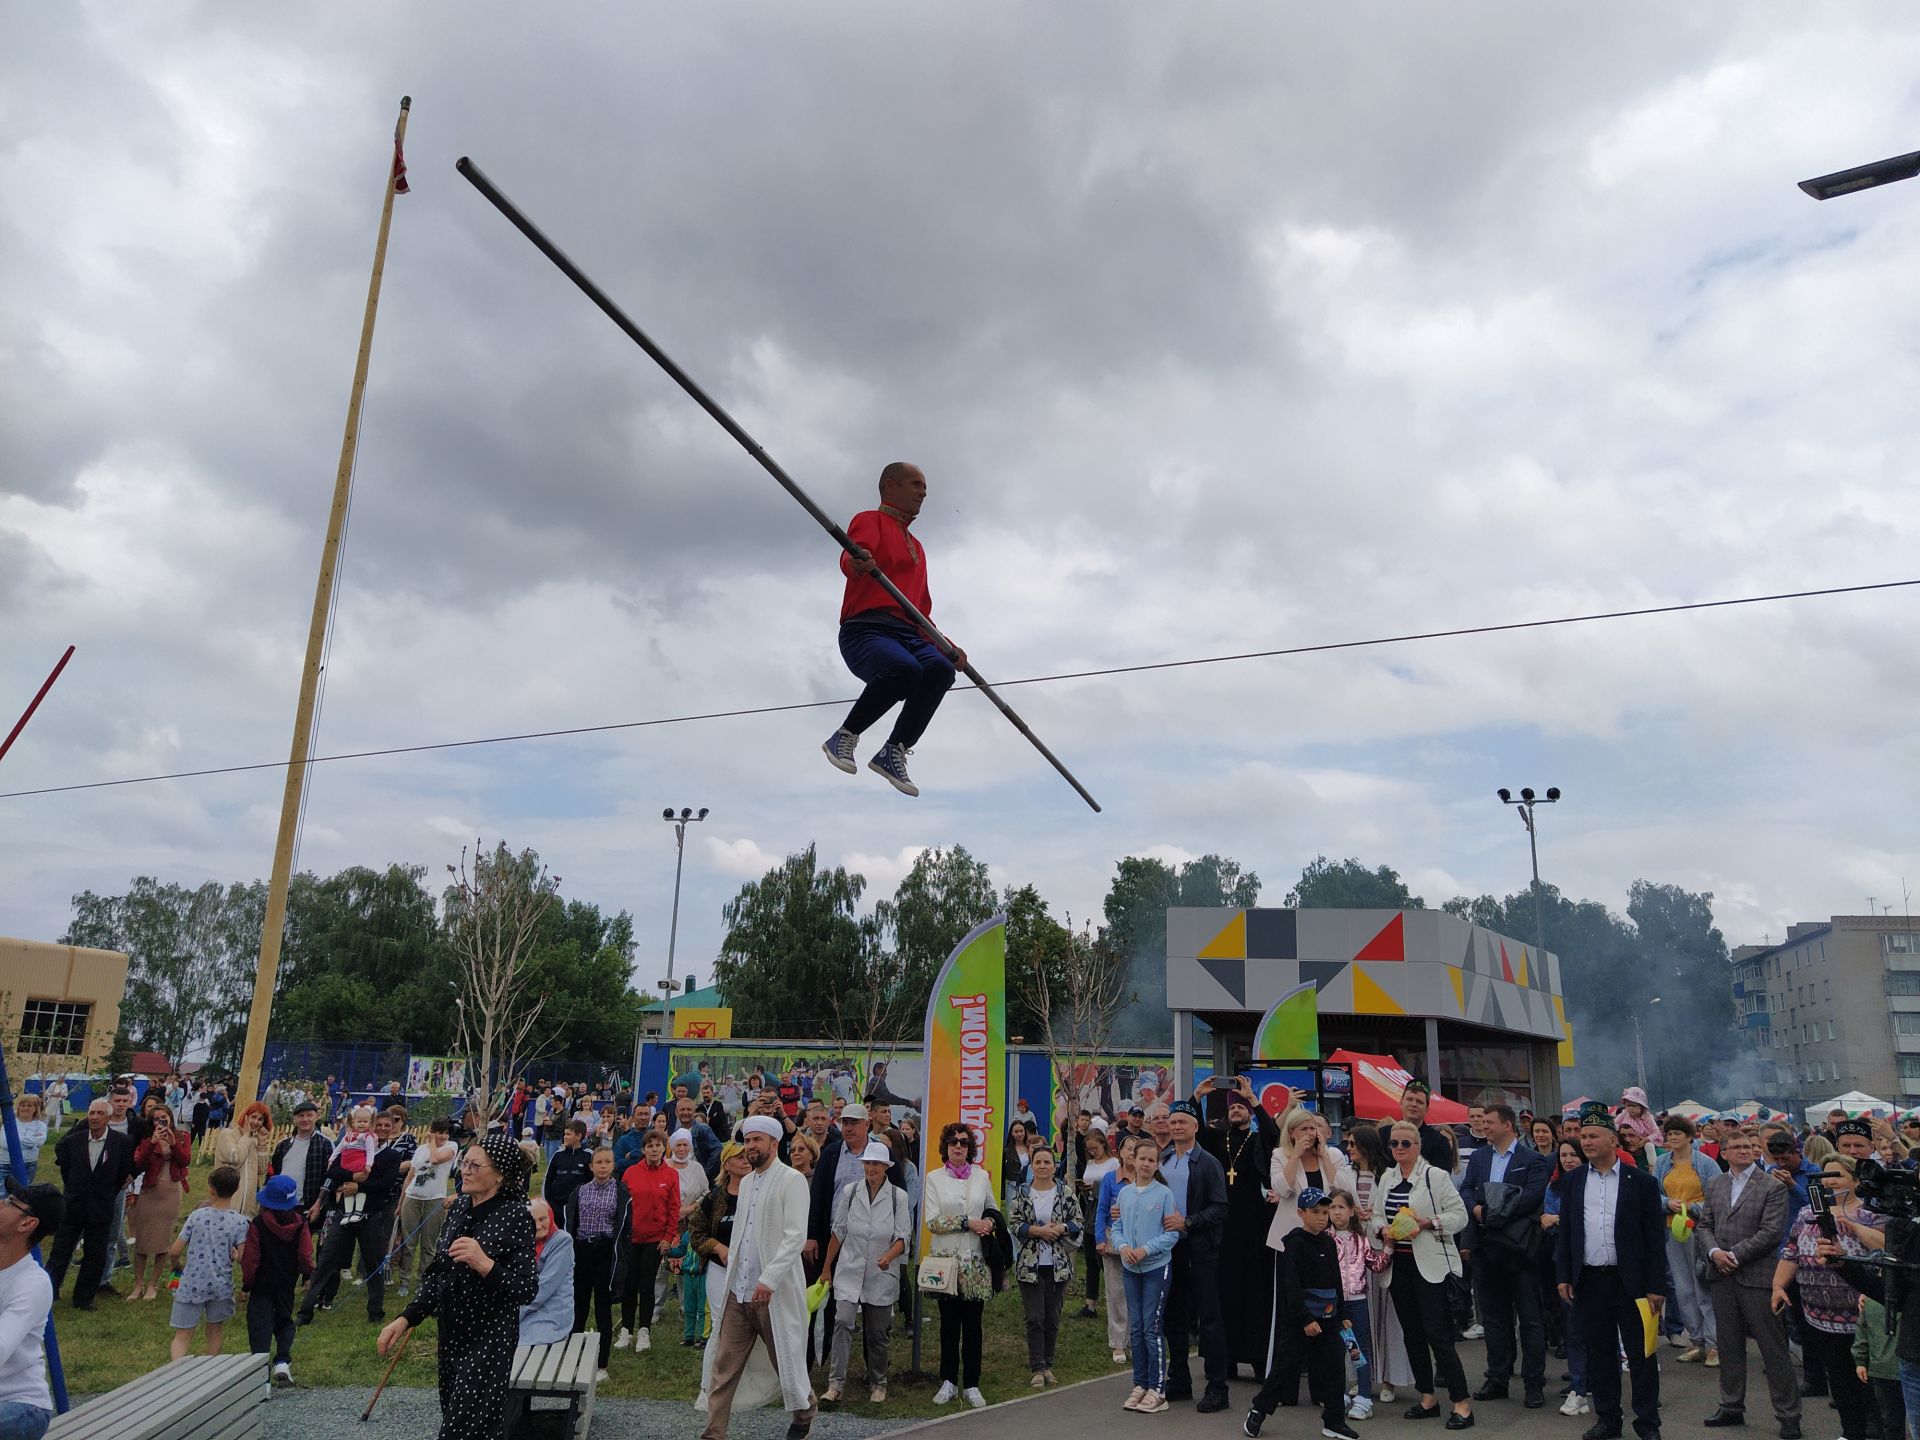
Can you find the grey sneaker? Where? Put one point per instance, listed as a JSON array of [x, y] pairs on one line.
[[891, 765], [839, 747]]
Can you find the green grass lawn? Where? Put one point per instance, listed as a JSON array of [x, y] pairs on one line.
[[122, 1340]]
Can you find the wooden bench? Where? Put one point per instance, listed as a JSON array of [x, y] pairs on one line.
[[205, 1397], [560, 1371]]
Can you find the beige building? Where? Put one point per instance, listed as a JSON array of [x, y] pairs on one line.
[[59, 1004], [1835, 1007]]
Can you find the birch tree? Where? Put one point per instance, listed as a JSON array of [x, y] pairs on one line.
[[493, 911]]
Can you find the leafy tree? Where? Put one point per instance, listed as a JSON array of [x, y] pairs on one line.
[[583, 963], [1611, 967], [1036, 956], [794, 938], [944, 895], [1142, 892], [120, 1053], [1348, 885], [190, 958], [365, 957], [493, 911]]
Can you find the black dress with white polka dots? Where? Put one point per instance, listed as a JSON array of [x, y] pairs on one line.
[[479, 1315]]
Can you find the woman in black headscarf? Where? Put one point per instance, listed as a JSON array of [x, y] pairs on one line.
[[483, 1272]]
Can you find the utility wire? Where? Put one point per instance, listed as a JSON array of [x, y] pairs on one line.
[[1318, 649]]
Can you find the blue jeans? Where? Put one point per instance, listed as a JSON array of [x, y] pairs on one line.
[[26, 1176], [1362, 1322], [1576, 1351], [1146, 1304], [23, 1422], [901, 667], [1910, 1392]]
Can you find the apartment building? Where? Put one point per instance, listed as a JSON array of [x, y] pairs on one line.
[[1835, 1007]]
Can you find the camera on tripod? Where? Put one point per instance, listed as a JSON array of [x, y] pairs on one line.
[[1889, 1192]]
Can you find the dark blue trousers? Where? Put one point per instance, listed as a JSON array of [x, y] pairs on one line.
[[901, 667]]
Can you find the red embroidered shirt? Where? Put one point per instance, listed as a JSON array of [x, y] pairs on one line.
[[902, 560]]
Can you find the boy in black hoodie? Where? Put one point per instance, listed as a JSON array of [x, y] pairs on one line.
[[278, 1252], [1311, 1311]]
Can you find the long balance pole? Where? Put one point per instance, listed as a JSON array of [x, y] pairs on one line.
[[477, 178], [249, 1084], [34, 704]]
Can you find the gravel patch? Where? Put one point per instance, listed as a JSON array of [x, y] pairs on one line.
[[303, 1414]]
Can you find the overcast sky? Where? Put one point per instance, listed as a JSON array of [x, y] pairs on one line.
[[1214, 328]]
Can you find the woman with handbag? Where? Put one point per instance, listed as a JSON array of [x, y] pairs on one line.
[[1418, 1212], [958, 1197], [1045, 1220]]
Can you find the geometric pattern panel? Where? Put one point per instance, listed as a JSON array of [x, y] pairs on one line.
[[1271, 935], [1364, 962]]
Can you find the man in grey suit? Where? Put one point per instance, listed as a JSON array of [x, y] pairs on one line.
[[1739, 1231]]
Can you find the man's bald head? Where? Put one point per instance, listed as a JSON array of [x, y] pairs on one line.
[[904, 487]]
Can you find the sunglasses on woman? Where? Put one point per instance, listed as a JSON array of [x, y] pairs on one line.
[[1402, 1144]]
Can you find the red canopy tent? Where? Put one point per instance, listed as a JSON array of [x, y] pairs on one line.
[[1378, 1081]]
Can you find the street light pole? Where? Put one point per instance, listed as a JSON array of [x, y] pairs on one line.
[[679, 821], [1639, 1053], [1526, 802], [1863, 177]]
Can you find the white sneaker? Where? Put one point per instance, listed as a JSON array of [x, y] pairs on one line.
[[599, 1377], [283, 1374], [1134, 1397], [1474, 1332], [975, 1398], [1678, 1341], [642, 1340], [1120, 1358], [1361, 1409], [1575, 1404], [1386, 1394], [623, 1339], [944, 1395]]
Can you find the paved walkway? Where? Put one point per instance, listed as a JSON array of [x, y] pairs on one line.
[[332, 1414], [1091, 1411]]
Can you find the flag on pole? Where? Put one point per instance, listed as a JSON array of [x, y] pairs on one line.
[[399, 165], [1291, 1029], [966, 1046]]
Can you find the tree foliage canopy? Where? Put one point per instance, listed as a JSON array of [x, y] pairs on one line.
[[366, 956]]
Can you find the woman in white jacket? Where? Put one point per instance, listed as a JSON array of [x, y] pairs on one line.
[[958, 1195], [1302, 1158], [1418, 1212]]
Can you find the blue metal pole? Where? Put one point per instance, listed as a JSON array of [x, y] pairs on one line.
[[17, 1163]]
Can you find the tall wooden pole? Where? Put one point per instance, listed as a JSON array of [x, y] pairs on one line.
[[249, 1083]]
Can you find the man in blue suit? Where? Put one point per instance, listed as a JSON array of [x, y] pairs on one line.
[[1611, 1254], [1504, 1277]]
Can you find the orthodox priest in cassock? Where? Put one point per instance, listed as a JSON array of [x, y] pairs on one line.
[[766, 1288], [1243, 1144]]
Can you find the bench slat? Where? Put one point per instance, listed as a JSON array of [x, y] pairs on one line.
[[150, 1398], [586, 1356], [191, 1398], [549, 1367], [524, 1356]]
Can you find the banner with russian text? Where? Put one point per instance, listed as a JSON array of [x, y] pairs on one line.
[[966, 1049]]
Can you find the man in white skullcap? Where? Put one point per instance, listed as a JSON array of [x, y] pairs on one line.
[[766, 1289]]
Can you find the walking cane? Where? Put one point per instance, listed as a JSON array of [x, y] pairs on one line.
[[398, 1351]]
